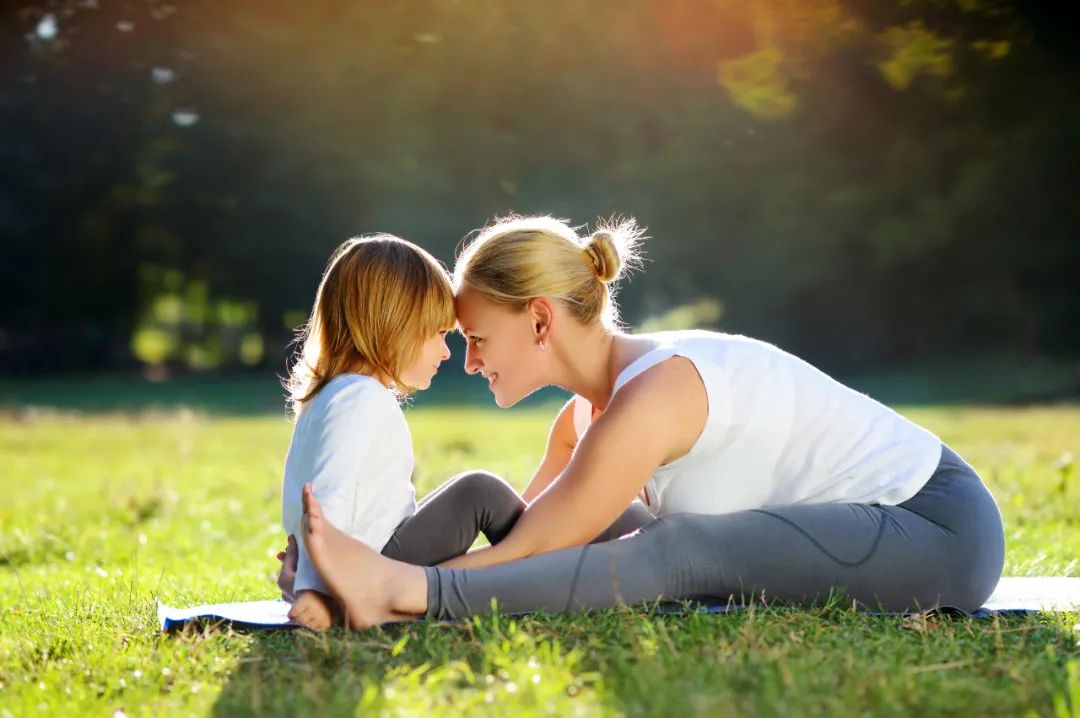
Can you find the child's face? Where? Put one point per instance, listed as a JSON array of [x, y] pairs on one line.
[[432, 353]]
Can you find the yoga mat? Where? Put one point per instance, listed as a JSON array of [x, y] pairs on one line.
[[1014, 594], [243, 614]]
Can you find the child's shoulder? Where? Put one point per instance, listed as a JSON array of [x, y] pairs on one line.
[[355, 393]]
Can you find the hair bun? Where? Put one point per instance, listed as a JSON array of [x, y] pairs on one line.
[[604, 254]]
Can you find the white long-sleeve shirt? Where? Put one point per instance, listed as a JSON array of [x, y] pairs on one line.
[[352, 443]]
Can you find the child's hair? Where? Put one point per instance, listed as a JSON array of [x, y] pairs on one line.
[[380, 298], [520, 258]]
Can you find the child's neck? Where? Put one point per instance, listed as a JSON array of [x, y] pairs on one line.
[[366, 369]]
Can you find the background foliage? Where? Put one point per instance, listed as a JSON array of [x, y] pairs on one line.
[[861, 182]]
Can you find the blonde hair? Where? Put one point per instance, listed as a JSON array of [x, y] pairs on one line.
[[520, 258], [380, 298]]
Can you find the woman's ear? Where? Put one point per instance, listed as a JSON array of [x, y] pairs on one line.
[[542, 315]]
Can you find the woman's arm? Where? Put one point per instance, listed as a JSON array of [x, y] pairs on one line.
[[561, 442], [656, 418]]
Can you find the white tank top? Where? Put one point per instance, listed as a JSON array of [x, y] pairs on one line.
[[779, 432]]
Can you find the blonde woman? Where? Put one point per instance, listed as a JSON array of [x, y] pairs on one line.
[[769, 478]]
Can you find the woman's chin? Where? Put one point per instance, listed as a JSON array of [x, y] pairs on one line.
[[504, 399]]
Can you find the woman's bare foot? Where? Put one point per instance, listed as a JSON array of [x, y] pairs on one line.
[[372, 589]]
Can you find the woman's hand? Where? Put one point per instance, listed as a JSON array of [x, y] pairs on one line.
[[313, 610], [287, 575]]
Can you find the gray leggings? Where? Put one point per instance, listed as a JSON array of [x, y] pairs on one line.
[[449, 519], [943, 547]]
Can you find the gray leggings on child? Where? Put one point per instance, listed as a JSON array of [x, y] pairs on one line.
[[942, 547], [449, 519]]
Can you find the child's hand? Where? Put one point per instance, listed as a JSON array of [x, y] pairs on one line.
[[287, 574], [312, 609]]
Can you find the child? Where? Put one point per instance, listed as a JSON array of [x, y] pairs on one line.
[[377, 332]]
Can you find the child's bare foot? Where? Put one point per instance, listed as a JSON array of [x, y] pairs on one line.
[[372, 589], [312, 609]]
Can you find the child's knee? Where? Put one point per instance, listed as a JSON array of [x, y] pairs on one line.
[[484, 488]]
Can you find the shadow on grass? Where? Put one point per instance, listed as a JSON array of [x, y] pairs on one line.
[[637, 663], [495, 666], [291, 673]]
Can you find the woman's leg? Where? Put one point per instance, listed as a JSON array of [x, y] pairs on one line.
[[372, 588], [943, 547]]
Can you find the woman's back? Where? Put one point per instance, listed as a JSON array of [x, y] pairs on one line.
[[780, 431]]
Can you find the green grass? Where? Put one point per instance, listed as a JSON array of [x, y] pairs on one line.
[[104, 513]]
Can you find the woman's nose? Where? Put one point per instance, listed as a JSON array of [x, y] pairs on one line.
[[472, 362]]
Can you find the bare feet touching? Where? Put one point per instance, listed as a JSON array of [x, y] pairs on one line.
[[371, 588]]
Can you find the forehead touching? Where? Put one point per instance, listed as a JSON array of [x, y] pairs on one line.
[[477, 313], [468, 310]]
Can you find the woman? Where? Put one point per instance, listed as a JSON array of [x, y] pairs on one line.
[[768, 477]]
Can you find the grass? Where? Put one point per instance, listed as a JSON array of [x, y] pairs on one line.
[[104, 513]]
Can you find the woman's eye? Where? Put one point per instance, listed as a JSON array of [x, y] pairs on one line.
[[475, 340]]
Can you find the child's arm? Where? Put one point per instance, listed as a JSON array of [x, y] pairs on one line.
[[561, 443], [342, 442], [313, 610]]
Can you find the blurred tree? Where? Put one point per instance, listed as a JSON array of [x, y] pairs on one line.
[[859, 181]]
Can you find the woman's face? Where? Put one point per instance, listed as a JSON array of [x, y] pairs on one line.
[[432, 353], [500, 345]]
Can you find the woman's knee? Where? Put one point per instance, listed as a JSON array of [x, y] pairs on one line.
[[681, 553], [674, 535]]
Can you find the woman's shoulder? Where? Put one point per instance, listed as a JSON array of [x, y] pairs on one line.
[[709, 346], [683, 364], [659, 348], [677, 337]]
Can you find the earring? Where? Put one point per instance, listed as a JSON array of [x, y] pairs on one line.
[[542, 345]]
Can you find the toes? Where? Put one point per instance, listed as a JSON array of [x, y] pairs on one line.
[[305, 498], [312, 509]]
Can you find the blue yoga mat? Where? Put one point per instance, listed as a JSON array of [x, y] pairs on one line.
[[1014, 594]]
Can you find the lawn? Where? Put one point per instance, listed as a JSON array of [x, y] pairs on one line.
[[105, 513]]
